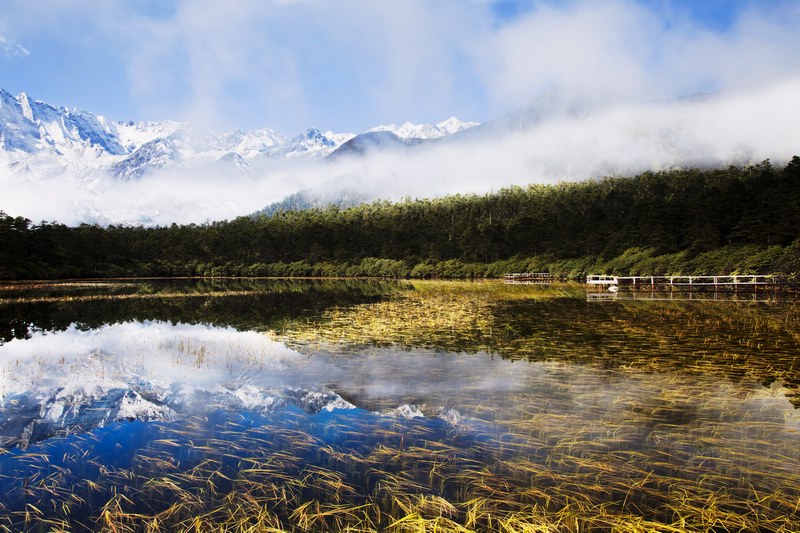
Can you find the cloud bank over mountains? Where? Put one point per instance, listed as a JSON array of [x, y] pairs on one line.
[[119, 172], [160, 173]]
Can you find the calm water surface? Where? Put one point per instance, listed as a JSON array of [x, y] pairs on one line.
[[373, 406]]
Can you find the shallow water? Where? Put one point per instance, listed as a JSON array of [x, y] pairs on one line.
[[327, 405]]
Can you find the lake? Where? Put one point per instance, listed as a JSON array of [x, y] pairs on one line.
[[362, 405]]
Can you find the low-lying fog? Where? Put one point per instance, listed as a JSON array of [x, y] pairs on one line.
[[558, 141]]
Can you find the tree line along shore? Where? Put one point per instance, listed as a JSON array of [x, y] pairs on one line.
[[743, 219]]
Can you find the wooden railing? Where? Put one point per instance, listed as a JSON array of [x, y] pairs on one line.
[[735, 282]]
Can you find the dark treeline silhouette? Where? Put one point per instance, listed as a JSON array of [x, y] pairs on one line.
[[744, 219]]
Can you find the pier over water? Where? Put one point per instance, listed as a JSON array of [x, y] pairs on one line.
[[734, 283]]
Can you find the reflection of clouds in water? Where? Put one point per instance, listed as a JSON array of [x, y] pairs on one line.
[[394, 371], [383, 378], [152, 354], [185, 365], [77, 380], [573, 140]]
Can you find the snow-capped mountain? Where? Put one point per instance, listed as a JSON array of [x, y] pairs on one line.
[[427, 131], [44, 141], [373, 141], [75, 166], [314, 145], [29, 126], [38, 141], [394, 137]]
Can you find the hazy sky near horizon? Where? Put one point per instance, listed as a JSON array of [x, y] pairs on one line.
[[349, 65]]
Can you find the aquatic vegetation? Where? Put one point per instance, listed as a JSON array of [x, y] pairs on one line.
[[521, 466], [245, 304], [477, 407], [759, 341], [453, 315]]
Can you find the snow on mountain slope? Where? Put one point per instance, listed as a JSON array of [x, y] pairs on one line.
[[427, 131], [17, 132], [48, 141], [29, 126], [39, 141], [372, 142], [315, 145], [74, 166]]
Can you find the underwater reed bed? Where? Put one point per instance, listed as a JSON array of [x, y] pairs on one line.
[[564, 457], [450, 315], [742, 341]]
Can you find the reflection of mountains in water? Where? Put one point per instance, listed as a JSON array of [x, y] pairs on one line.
[[558, 328], [419, 379], [76, 380], [32, 418], [70, 407]]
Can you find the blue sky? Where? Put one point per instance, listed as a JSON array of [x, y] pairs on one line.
[[349, 65]]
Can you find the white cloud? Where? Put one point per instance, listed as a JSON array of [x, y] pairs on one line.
[[618, 49], [352, 64], [321, 61], [731, 127], [597, 48], [760, 48], [12, 49]]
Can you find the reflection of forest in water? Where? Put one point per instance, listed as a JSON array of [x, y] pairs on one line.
[[753, 341], [241, 303]]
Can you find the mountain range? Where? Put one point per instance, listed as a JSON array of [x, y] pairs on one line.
[[39, 140]]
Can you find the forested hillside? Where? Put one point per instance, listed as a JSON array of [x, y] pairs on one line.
[[680, 221]]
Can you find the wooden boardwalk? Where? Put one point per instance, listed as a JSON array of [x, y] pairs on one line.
[[671, 283]]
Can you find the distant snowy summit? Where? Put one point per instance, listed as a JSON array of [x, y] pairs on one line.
[[427, 131], [40, 141]]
